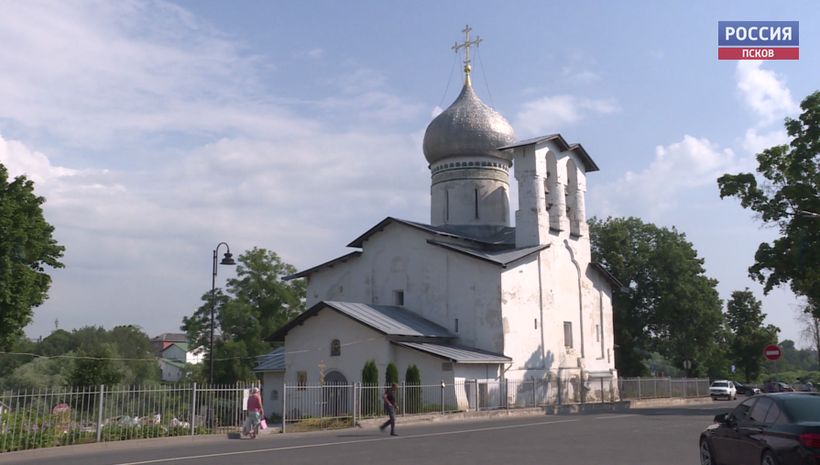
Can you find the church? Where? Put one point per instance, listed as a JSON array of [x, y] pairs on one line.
[[468, 296]]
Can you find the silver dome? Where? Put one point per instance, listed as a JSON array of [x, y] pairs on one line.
[[467, 128]]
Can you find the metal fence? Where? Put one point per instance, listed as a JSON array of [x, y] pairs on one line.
[[338, 405], [65, 415], [657, 388]]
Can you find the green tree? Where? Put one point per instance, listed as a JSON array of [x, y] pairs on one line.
[[39, 373], [744, 317], [788, 198], [412, 380], [370, 373], [94, 368], [811, 333], [59, 342], [667, 304], [256, 303], [371, 396], [137, 361], [391, 374], [26, 248]]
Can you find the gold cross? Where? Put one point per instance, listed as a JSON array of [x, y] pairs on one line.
[[466, 46]]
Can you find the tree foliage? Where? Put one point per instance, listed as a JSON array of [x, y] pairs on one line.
[[256, 303], [744, 317], [370, 373], [788, 197], [90, 355], [26, 248], [667, 304], [391, 374]]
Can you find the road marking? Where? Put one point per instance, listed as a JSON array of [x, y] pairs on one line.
[[340, 443], [608, 417]]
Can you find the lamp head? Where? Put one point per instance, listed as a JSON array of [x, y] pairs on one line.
[[228, 259]]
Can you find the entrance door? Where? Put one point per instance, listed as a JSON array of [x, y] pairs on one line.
[[336, 395]]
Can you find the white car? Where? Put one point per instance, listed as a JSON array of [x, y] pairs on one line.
[[723, 388]]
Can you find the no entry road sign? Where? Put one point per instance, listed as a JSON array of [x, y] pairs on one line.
[[772, 352]]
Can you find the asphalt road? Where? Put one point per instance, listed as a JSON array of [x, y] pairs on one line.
[[667, 436]]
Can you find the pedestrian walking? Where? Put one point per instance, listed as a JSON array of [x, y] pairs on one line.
[[255, 414], [391, 408]]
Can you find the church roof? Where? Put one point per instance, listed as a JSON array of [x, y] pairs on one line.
[[615, 282], [467, 128], [483, 235], [501, 257], [326, 264], [457, 354], [272, 361], [389, 320], [558, 139], [495, 244]]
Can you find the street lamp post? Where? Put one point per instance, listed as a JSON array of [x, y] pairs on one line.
[[226, 260]]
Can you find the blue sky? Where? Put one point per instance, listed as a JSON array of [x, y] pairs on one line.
[[158, 129]]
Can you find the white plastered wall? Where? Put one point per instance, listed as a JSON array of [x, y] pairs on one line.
[[438, 284]]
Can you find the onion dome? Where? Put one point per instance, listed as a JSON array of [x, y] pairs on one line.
[[468, 128]]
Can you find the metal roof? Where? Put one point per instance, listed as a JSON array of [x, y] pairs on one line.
[[457, 354], [500, 257], [326, 264], [392, 321], [485, 235], [272, 361], [578, 149]]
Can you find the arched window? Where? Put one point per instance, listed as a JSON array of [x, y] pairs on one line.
[[335, 348]]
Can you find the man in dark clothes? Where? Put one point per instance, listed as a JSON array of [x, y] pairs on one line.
[[391, 407]]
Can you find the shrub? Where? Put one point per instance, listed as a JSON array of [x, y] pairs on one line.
[[412, 380], [391, 374], [371, 398]]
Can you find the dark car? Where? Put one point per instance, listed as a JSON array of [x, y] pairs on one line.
[[767, 429], [776, 386], [746, 390]]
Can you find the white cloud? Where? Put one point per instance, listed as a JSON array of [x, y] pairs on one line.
[[95, 73], [676, 170], [549, 114], [755, 141], [115, 78], [20, 160], [764, 91]]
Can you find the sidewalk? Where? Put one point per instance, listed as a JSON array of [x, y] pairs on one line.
[[567, 409]]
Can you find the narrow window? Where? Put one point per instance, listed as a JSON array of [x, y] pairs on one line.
[[274, 395], [476, 203], [446, 206], [597, 333], [335, 348], [568, 334], [535, 323], [456, 324], [398, 298], [547, 203]]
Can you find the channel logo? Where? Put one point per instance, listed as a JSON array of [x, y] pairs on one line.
[[758, 40]]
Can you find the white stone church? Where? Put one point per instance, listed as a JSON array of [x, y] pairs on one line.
[[468, 296]]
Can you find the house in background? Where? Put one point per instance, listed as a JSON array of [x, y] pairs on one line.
[[161, 342], [174, 356], [271, 370]]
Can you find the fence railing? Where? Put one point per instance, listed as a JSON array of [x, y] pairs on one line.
[[326, 406], [656, 388], [65, 415]]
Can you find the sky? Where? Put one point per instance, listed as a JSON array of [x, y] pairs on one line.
[[156, 130]]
